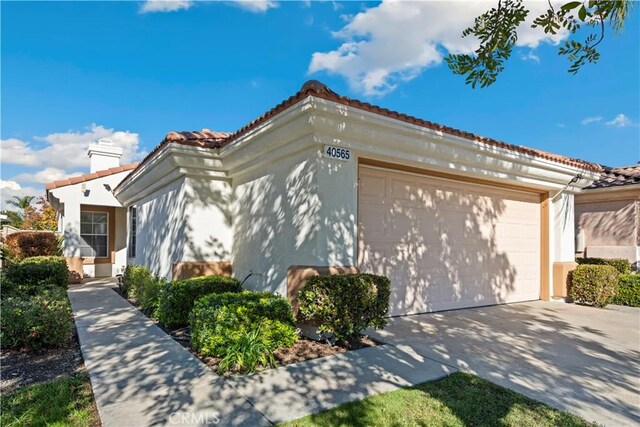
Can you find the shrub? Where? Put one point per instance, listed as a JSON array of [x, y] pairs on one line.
[[224, 324], [628, 291], [141, 284], [24, 244], [39, 271], [176, 299], [621, 264], [345, 305], [593, 284], [43, 320]]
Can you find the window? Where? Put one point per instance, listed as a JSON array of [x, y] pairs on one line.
[[132, 231], [94, 236]]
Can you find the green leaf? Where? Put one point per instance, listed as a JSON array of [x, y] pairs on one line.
[[570, 5], [582, 13]]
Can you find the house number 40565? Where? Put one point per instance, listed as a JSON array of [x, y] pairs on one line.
[[336, 153]]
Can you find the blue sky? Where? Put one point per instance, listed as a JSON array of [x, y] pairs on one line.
[[74, 72]]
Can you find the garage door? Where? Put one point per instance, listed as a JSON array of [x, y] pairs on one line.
[[447, 244]]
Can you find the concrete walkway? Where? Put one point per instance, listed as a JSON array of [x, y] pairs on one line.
[[140, 376], [296, 390], [583, 360]]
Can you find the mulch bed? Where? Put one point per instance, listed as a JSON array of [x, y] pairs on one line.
[[20, 368], [304, 349]]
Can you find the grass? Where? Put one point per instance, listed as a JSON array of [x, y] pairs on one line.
[[67, 401], [460, 399]]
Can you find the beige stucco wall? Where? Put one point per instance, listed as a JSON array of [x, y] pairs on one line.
[[609, 218], [610, 221]]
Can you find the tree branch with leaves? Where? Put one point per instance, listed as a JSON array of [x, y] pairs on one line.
[[497, 31]]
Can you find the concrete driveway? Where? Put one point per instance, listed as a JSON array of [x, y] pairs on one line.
[[580, 359]]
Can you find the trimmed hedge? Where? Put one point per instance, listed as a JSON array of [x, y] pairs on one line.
[[621, 264], [39, 271], [345, 305], [176, 299], [628, 291], [242, 328], [24, 244], [141, 284], [43, 320], [594, 284]]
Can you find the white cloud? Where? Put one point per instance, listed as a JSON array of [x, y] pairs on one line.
[[591, 119], [43, 176], [621, 121], [60, 155], [67, 149], [8, 189], [165, 5], [9, 185], [256, 6], [17, 152], [396, 40], [530, 56]]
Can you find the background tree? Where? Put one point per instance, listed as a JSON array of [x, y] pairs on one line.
[[15, 218], [497, 30], [42, 216], [22, 203]]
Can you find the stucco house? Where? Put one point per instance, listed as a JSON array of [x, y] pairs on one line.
[[92, 221], [453, 219], [608, 215]]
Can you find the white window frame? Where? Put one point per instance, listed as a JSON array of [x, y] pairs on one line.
[[86, 234]]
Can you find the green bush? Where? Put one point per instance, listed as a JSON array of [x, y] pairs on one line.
[[39, 271], [43, 320], [141, 284], [628, 291], [225, 325], [621, 264], [594, 284], [176, 299], [345, 305]]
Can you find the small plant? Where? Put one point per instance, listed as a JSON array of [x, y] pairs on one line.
[[138, 282], [222, 324], [176, 299], [39, 271], [594, 284], [621, 264], [628, 291], [248, 352], [345, 305]]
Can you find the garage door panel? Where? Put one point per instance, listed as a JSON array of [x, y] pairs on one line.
[[447, 244]]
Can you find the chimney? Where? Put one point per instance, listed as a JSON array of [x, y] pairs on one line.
[[104, 155]]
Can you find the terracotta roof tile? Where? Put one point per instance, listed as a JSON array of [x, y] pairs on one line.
[[320, 90], [211, 139], [617, 177], [89, 176]]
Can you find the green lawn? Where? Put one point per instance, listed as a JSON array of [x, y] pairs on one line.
[[67, 401], [458, 400]]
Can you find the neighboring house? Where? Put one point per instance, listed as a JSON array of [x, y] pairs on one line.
[[454, 219], [608, 215], [91, 219]]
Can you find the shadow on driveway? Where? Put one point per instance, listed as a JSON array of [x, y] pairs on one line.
[[580, 359]]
